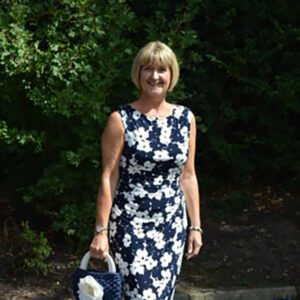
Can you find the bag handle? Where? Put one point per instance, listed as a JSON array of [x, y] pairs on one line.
[[108, 259]]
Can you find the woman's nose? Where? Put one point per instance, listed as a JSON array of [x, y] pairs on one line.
[[155, 74]]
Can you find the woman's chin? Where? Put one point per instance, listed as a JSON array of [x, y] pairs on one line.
[[155, 92]]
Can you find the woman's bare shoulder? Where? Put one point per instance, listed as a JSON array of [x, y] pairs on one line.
[[114, 126]]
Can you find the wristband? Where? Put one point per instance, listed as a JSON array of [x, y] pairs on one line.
[[99, 228], [196, 228]]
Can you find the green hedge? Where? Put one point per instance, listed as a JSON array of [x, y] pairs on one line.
[[65, 65]]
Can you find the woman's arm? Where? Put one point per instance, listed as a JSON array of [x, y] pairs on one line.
[[189, 184], [112, 143]]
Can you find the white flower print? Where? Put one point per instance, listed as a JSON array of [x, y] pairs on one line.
[[112, 228], [136, 115], [177, 199], [127, 240], [173, 171], [156, 282], [165, 139], [166, 259], [162, 123], [141, 261], [157, 195], [178, 112], [149, 295], [181, 159], [177, 247], [165, 136], [161, 155], [148, 166], [131, 208], [150, 263], [158, 219], [130, 138], [168, 191], [123, 161], [169, 217], [184, 132], [179, 262], [136, 222], [138, 230], [133, 167], [155, 235], [138, 190], [171, 177], [143, 215], [137, 268], [177, 225], [128, 195], [123, 265], [166, 274], [141, 255], [115, 212], [141, 133], [183, 147], [158, 180], [171, 209], [151, 234], [159, 285], [160, 243], [139, 233], [144, 145], [134, 295]]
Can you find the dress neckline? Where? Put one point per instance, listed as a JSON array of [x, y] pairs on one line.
[[154, 117]]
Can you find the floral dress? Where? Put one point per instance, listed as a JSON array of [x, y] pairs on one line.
[[148, 219]]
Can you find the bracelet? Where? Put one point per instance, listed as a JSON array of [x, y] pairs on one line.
[[197, 228], [99, 228]]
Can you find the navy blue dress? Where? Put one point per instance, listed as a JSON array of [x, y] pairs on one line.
[[148, 221]]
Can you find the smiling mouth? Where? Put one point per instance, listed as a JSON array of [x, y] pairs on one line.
[[158, 84]]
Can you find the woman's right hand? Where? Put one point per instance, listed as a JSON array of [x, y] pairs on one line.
[[99, 246]]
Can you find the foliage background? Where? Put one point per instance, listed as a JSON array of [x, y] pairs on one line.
[[65, 65]]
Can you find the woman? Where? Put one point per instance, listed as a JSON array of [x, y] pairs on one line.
[[148, 179]]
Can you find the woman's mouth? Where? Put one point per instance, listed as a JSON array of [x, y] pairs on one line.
[[155, 84]]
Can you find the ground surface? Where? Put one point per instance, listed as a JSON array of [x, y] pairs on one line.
[[257, 248]]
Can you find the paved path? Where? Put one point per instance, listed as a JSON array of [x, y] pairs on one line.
[[186, 292]]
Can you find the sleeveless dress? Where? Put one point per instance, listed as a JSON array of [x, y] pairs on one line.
[[148, 221]]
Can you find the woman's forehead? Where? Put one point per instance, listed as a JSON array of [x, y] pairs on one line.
[[154, 63]]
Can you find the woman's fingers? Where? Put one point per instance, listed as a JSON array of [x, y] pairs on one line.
[[102, 253], [190, 247], [99, 248], [197, 247], [98, 252], [94, 251], [194, 246]]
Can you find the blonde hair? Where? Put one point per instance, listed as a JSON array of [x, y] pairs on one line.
[[151, 52]]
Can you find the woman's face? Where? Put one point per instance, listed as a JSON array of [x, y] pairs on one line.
[[155, 79]]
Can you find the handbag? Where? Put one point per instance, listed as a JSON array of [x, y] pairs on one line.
[[91, 284]]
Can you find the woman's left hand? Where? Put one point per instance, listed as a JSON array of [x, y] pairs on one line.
[[194, 243]]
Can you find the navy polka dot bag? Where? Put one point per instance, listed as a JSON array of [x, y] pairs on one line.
[[90, 284]]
